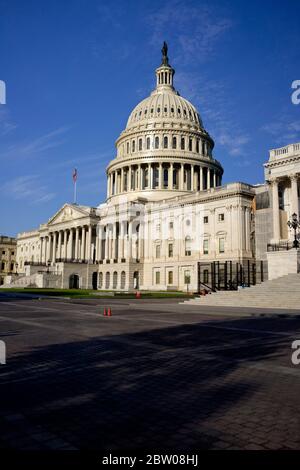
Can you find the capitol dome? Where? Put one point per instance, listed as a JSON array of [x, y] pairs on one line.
[[164, 150]]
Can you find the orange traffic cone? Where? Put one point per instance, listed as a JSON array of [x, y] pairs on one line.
[[104, 312], [109, 312]]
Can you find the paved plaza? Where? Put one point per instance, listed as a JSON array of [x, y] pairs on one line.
[[156, 375]]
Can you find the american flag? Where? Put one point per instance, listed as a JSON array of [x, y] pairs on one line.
[[74, 176]]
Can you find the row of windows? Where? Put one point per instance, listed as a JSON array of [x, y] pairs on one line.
[[4, 252], [221, 218], [170, 277], [192, 115], [188, 248], [3, 266], [175, 142]]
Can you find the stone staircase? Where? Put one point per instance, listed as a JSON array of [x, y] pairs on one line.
[[21, 281], [283, 292]]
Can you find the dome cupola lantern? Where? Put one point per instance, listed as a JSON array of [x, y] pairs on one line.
[[164, 73], [164, 151]]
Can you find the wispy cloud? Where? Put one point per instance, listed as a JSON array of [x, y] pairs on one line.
[[194, 30], [283, 130], [28, 188], [212, 100], [6, 124], [40, 144]]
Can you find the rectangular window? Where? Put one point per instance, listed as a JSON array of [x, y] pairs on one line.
[[221, 217], [187, 277], [205, 219], [170, 251], [205, 247], [157, 251], [221, 245], [171, 225], [170, 277], [157, 277], [3, 252]]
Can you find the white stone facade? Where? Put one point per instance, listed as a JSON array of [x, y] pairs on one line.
[[166, 209]]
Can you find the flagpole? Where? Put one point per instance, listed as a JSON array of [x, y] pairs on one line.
[[75, 191]]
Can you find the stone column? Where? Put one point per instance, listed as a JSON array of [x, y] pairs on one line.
[[108, 186], [89, 243], [121, 240], [77, 243], [114, 240], [59, 244], [122, 180], [41, 249], [83, 243], [97, 244], [48, 248], [208, 178], [129, 179], [247, 228], [149, 176], [54, 247], [294, 195], [129, 240], [192, 177], [275, 200], [71, 243], [141, 241], [65, 243], [107, 242], [215, 179], [160, 177], [170, 176], [201, 178], [181, 186]]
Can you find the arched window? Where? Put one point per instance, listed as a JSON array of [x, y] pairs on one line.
[[158, 110], [165, 142], [148, 143], [188, 246], [127, 147], [133, 145], [156, 142], [197, 146], [190, 144], [115, 280], [165, 109], [123, 279], [140, 144], [182, 143], [107, 280], [174, 142]]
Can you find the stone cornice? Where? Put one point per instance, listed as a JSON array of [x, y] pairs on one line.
[[120, 162], [282, 161]]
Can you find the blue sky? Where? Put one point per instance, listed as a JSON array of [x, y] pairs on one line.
[[75, 69]]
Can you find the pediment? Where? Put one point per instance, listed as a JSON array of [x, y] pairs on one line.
[[67, 213]]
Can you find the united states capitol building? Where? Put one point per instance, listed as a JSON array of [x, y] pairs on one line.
[[168, 221]]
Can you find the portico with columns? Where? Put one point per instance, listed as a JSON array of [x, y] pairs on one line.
[[282, 173]]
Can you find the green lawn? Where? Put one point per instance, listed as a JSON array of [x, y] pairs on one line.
[[92, 294]]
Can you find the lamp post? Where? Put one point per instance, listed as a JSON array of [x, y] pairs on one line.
[[294, 223]]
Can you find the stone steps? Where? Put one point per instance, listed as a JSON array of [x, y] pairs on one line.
[[282, 292]]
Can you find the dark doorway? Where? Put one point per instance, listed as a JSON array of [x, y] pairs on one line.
[[95, 281], [74, 281]]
